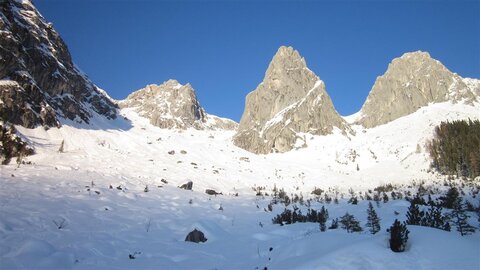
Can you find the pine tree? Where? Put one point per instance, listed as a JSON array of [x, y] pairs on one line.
[[434, 218], [376, 198], [322, 218], [447, 227], [385, 197], [414, 215], [398, 236], [373, 222], [350, 224], [449, 200], [334, 224], [460, 218]]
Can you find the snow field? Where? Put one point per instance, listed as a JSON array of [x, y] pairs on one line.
[[101, 227]]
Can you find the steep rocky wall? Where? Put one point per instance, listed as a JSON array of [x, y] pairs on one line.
[[290, 100], [38, 81]]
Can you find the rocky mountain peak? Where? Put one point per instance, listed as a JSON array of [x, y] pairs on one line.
[[412, 81], [286, 59], [291, 100], [38, 81], [172, 105]]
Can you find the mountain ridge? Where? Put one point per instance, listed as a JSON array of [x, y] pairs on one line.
[[40, 85]]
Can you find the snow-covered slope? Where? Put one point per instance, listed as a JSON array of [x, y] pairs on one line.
[[393, 152], [96, 188]]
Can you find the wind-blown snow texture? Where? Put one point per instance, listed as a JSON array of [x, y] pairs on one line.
[[103, 226]]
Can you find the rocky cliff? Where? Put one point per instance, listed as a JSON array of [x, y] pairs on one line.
[[38, 81], [172, 105], [290, 101], [412, 81]]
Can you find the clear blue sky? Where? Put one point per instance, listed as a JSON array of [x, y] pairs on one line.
[[223, 48]]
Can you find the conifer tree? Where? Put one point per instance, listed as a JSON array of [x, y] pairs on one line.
[[460, 218], [414, 215], [434, 218], [398, 236], [447, 227], [385, 197], [449, 200], [322, 218], [334, 224], [373, 222], [350, 224], [376, 198]]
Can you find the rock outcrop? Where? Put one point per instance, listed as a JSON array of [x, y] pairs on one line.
[[412, 81], [474, 85], [11, 145], [290, 101], [38, 81], [195, 236], [172, 105]]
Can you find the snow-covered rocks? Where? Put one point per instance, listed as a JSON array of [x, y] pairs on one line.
[[173, 106]]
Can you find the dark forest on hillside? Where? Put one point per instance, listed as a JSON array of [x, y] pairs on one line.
[[455, 148]]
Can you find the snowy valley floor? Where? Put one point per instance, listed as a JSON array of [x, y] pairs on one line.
[[103, 226]]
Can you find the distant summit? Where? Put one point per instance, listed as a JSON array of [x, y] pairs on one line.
[[412, 81], [290, 100], [39, 83], [172, 105]]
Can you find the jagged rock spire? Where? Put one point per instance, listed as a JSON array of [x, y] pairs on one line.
[[290, 100]]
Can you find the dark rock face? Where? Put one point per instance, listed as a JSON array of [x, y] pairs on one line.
[[11, 145], [187, 186], [195, 236], [38, 80]]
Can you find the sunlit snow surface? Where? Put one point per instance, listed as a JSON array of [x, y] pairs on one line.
[[103, 226]]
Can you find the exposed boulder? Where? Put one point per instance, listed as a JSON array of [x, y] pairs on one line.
[[38, 80], [212, 192], [187, 186], [412, 81], [172, 105], [196, 236], [290, 100]]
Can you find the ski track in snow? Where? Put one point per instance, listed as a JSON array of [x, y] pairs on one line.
[[102, 226]]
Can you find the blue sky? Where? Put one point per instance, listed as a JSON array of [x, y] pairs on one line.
[[223, 48]]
